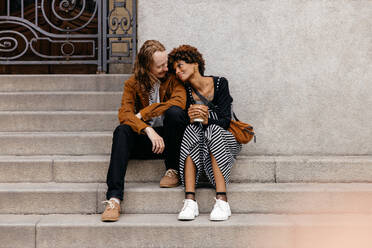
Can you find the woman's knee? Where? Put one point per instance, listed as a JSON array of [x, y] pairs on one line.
[[214, 128], [213, 131]]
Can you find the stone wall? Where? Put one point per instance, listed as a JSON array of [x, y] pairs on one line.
[[300, 71]]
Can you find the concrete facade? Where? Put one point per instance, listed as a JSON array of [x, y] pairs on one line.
[[299, 71]]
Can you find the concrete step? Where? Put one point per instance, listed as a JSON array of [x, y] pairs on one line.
[[50, 121], [55, 143], [280, 198], [59, 101], [48, 198], [164, 230], [75, 198], [247, 169], [93, 169], [102, 82]]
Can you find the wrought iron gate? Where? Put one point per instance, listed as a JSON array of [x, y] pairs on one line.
[[98, 32]]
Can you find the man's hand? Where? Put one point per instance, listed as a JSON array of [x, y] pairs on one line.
[[156, 140]]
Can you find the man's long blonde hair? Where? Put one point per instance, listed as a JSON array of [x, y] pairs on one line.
[[143, 64]]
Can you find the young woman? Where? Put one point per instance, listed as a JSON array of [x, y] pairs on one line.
[[207, 147]]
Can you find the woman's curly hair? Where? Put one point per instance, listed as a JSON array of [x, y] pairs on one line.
[[187, 53]]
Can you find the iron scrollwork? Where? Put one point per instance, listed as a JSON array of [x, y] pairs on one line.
[[73, 29], [124, 22], [122, 32], [67, 5], [6, 44], [10, 44]]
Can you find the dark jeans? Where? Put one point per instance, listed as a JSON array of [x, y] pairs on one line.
[[126, 144]]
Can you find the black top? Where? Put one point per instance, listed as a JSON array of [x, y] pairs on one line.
[[222, 101]]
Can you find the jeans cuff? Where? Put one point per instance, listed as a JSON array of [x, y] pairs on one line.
[[115, 194]]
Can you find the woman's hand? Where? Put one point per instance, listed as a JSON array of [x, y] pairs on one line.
[[198, 111], [156, 140]]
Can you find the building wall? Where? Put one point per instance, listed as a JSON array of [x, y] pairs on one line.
[[300, 71]]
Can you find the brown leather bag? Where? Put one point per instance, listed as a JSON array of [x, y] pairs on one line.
[[243, 132]]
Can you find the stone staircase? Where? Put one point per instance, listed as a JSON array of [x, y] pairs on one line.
[[55, 140]]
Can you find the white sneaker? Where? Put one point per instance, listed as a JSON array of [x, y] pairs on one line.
[[189, 211], [221, 210]]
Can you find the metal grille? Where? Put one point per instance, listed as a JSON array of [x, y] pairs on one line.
[[96, 32]]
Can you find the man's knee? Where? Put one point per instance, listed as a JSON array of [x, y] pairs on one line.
[[122, 129], [175, 114]]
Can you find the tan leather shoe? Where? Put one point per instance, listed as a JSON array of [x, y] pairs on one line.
[[170, 179], [112, 211]]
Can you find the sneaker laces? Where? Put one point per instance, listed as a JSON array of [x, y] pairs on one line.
[[110, 203], [170, 173], [186, 204], [218, 205]]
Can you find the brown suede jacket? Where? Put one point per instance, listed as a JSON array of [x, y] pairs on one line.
[[134, 100]]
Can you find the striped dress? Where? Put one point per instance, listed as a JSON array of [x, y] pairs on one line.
[[200, 141]]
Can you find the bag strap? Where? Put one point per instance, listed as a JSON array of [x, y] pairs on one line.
[[204, 100], [212, 106], [208, 103], [235, 117]]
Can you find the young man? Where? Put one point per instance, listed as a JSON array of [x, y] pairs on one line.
[[152, 122]]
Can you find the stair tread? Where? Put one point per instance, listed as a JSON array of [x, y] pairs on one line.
[[26, 93], [59, 112], [157, 220], [164, 230], [240, 157], [56, 133], [233, 187], [4, 158], [86, 198]]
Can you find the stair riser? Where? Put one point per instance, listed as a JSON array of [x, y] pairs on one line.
[[338, 169], [59, 102], [26, 171], [254, 231], [246, 169], [55, 144], [18, 231], [278, 202], [54, 122], [10, 236], [95, 171], [48, 202], [20, 83], [167, 236], [152, 171], [83, 199], [88, 231], [253, 236]]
